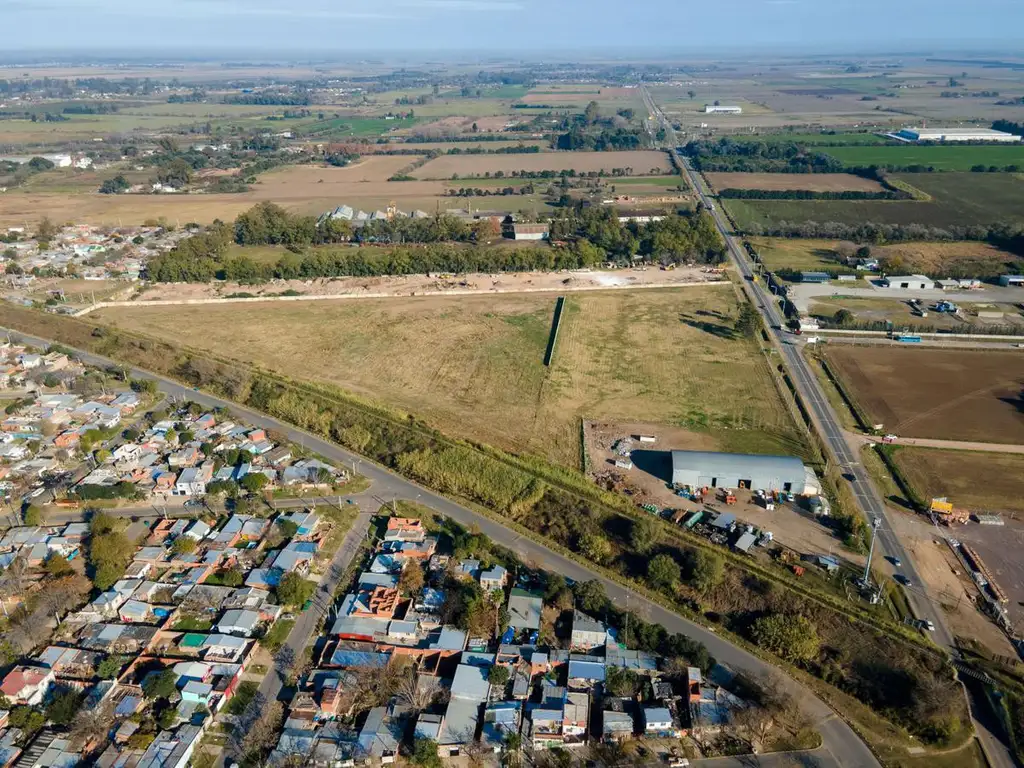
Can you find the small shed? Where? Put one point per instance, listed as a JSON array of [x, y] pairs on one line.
[[1015, 281], [745, 542], [815, 277]]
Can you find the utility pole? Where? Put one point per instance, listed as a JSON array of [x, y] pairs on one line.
[[876, 523]]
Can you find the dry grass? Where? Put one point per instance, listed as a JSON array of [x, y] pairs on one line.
[[937, 393], [979, 482], [472, 366], [306, 189], [814, 182], [968, 258], [642, 162]]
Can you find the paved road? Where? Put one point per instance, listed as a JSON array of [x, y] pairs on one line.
[[842, 747], [306, 621], [827, 424]]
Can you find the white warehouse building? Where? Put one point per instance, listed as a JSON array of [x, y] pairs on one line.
[[955, 134], [699, 469], [909, 282], [715, 109]]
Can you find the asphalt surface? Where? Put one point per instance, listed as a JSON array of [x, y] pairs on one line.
[[841, 745], [828, 426]]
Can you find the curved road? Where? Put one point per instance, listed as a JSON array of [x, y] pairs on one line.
[[841, 745], [827, 424]]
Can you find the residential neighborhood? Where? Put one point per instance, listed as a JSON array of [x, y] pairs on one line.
[[444, 644]]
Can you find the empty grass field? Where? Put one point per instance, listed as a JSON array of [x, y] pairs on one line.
[[467, 166], [962, 199], [941, 158], [936, 393], [813, 182], [973, 480], [473, 366]]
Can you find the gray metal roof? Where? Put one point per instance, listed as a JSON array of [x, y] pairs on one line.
[[524, 609], [725, 464]]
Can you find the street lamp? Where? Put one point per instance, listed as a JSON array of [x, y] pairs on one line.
[[876, 522]]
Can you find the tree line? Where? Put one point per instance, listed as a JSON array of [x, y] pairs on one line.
[[809, 194], [591, 235], [731, 156], [1009, 237]]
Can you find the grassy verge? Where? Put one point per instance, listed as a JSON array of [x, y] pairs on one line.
[[245, 693], [277, 634]]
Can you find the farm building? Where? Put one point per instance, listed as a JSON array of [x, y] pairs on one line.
[[814, 277], [716, 109], [1011, 280], [954, 134], [699, 469], [517, 230], [909, 282]]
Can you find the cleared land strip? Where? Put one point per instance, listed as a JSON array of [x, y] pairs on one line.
[[952, 445], [329, 297]]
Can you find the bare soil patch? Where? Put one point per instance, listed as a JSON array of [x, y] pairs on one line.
[[813, 182], [972, 480], [938, 393], [641, 163]]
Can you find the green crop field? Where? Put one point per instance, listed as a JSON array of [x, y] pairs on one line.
[[354, 126], [816, 138], [942, 158], [962, 199]]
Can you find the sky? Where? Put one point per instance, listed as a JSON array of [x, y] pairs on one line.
[[264, 27]]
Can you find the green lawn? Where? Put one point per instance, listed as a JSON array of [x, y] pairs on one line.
[[355, 126], [942, 158], [277, 634]]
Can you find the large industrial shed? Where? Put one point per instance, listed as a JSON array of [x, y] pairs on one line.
[[699, 469]]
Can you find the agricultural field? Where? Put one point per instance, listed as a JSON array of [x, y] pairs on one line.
[[816, 138], [577, 96], [972, 480], [473, 365], [303, 189], [936, 393], [813, 182], [963, 199], [960, 259], [467, 166], [941, 158]]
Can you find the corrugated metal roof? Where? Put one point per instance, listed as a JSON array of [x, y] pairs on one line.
[[740, 464]]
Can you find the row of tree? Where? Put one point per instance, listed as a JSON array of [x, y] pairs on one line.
[[729, 155], [808, 194], [1007, 236]]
